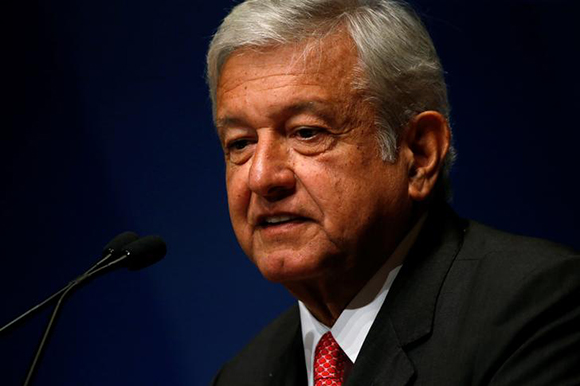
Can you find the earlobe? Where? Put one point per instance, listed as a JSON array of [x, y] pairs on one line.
[[427, 139]]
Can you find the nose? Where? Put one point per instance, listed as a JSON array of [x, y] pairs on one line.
[[271, 174]]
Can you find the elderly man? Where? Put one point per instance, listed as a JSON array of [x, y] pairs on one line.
[[333, 118]]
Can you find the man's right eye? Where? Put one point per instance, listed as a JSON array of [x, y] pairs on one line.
[[239, 144]]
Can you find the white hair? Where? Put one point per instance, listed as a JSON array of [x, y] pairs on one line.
[[399, 70]]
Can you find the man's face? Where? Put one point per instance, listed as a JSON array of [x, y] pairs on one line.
[[308, 193]]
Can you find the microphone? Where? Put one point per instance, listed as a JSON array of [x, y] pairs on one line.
[[114, 248], [145, 252], [137, 254]]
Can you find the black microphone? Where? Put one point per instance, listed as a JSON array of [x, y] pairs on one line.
[[145, 252], [136, 255], [139, 254], [112, 250], [115, 248]]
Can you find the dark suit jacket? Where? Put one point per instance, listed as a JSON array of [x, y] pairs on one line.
[[471, 306]]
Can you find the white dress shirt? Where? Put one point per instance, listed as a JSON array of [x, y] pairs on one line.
[[355, 321]]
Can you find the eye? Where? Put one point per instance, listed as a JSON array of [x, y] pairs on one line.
[[307, 132], [238, 151], [239, 144]]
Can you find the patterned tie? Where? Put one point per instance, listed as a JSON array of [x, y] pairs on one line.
[[329, 362]]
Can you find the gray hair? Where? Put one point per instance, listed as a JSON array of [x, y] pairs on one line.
[[400, 72]]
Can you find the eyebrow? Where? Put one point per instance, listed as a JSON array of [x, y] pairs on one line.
[[323, 110], [225, 122]]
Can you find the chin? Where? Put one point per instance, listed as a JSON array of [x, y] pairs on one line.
[[293, 266]]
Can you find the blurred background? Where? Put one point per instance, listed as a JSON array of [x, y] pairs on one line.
[[107, 127]]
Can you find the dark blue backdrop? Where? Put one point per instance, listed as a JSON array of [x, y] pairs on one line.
[[108, 128]]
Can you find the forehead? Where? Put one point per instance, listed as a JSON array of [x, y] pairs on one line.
[[326, 62]]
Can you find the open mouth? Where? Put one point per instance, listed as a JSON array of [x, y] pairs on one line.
[[272, 221]]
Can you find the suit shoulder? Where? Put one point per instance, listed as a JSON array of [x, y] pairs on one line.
[[507, 268], [509, 307], [482, 242]]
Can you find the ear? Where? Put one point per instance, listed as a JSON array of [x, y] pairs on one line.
[[427, 140]]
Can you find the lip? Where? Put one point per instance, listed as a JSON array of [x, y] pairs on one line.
[[283, 228], [260, 220]]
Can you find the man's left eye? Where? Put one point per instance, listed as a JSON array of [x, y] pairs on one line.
[[307, 132]]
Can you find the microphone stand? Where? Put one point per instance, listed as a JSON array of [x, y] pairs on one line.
[[47, 332], [53, 296], [138, 253], [51, 322]]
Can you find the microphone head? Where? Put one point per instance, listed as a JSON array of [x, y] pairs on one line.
[[115, 246], [144, 252]]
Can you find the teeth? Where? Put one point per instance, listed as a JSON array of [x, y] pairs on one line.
[[278, 219]]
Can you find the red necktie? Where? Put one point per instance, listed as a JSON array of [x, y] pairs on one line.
[[329, 362]]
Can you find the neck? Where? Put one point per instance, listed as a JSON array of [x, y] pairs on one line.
[[328, 295]]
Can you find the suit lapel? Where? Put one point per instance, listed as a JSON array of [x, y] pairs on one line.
[[407, 314], [290, 367], [381, 360]]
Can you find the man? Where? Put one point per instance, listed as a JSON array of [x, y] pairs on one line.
[[333, 118]]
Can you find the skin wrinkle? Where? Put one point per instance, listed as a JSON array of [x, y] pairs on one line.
[[303, 51], [266, 77], [316, 107], [325, 112]]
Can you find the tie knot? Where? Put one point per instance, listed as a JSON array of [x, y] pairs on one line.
[[329, 362]]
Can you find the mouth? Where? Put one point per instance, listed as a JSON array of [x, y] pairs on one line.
[[279, 220]]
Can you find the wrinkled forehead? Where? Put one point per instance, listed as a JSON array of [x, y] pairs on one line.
[[333, 56]]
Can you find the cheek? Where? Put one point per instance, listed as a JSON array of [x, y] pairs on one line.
[[351, 194], [347, 208], [238, 203], [339, 196], [238, 196]]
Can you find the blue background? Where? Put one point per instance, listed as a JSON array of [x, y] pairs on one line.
[[107, 127]]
